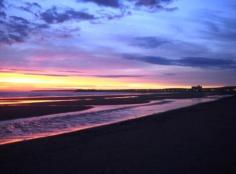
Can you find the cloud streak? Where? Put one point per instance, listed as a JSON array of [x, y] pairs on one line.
[[52, 16], [196, 62], [121, 4], [65, 73], [149, 42], [106, 3]]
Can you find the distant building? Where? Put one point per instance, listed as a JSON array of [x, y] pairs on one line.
[[197, 88]]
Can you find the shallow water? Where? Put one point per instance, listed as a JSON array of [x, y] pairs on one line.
[[27, 101], [57, 94], [49, 125]]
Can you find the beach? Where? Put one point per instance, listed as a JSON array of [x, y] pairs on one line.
[[117, 87], [196, 139], [38, 106]]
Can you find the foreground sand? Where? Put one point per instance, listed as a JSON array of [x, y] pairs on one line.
[[198, 139]]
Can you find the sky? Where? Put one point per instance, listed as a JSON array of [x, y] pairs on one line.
[[116, 44]]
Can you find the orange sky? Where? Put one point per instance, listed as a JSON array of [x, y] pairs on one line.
[[20, 81]]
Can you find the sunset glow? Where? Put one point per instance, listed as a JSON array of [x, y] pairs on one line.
[[17, 81], [116, 44]]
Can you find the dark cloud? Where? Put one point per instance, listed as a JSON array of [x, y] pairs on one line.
[[2, 14], [198, 62], [19, 69], [118, 3], [16, 29], [28, 72], [45, 74], [107, 3], [72, 71], [149, 42], [19, 20], [53, 16], [11, 38], [151, 59], [1, 4], [151, 3], [110, 16], [60, 74], [155, 4], [202, 62], [4, 39], [32, 8], [117, 76], [33, 4]]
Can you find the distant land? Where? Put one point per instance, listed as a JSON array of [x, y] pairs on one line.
[[193, 88]]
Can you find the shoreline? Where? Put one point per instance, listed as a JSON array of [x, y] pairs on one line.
[[109, 124], [10, 112], [194, 138], [133, 116]]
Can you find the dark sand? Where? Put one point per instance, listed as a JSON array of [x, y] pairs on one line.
[[193, 140]]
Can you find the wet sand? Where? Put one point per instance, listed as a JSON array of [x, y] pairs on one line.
[[197, 139], [80, 103]]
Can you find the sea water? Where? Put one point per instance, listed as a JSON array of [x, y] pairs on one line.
[[49, 125]]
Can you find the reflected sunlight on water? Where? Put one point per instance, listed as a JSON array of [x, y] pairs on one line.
[[13, 102], [49, 125]]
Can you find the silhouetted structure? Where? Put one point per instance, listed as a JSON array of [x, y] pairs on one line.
[[197, 88]]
